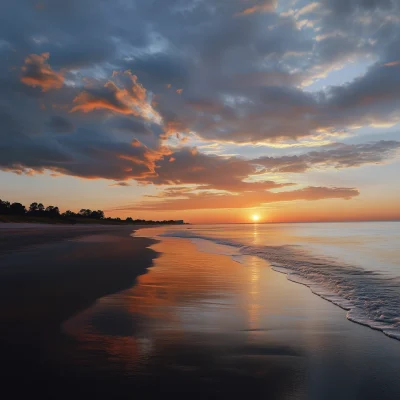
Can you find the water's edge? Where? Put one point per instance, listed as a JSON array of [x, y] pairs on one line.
[[386, 319]]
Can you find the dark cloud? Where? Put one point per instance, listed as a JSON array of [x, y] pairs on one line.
[[337, 156], [188, 166], [121, 184], [60, 124], [249, 67], [225, 71], [129, 125], [21, 152], [86, 152], [349, 6], [161, 69], [96, 156], [84, 53]]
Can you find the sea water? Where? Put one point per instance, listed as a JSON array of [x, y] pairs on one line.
[[354, 265]]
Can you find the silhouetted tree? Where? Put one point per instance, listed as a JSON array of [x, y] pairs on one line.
[[52, 211], [97, 214], [17, 208], [38, 209], [69, 213], [85, 212], [33, 208], [4, 207]]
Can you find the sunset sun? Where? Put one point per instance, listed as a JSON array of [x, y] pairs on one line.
[[255, 217]]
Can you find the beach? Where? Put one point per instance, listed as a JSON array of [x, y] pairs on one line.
[[47, 275], [97, 312]]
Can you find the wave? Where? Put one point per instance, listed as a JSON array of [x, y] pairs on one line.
[[370, 298]]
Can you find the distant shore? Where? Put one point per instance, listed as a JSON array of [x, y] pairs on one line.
[[38, 213], [24, 219], [18, 219]]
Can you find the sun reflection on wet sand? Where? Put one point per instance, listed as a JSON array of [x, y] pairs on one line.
[[199, 321], [180, 298], [197, 293]]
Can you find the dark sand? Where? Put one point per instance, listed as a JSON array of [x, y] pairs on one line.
[[47, 275]]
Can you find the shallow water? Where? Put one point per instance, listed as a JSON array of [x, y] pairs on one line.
[[209, 321], [354, 265]]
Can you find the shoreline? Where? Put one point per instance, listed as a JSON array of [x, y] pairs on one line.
[[347, 309], [242, 327], [353, 313], [288, 274]]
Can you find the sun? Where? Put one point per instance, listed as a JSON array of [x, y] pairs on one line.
[[255, 217]]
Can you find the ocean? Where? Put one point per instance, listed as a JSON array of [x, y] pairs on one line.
[[353, 265]]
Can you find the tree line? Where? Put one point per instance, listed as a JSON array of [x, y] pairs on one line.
[[39, 210]]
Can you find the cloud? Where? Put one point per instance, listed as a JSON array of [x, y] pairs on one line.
[[310, 7], [392, 63], [261, 6], [209, 171], [60, 124], [243, 79], [129, 125], [131, 98], [37, 72], [208, 200], [201, 50], [337, 156], [123, 184], [83, 153], [342, 6]]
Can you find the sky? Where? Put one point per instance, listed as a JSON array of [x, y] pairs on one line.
[[202, 110]]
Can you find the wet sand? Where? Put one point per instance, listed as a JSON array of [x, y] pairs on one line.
[[84, 318], [47, 275]]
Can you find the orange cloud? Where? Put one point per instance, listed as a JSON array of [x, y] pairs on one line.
[[392, 64], [173, 127], [266, 6], [136, 143], [210, 200], [146, 157], [130, 99], [37, 72], [179, 91], [22, 170]]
